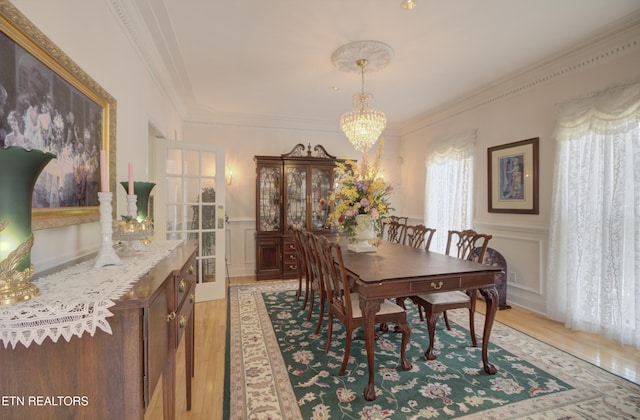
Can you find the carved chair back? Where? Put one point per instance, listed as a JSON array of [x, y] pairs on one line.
[[419, 236], [460, 244]]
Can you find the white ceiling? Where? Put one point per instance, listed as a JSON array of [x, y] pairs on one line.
[[272, 58]]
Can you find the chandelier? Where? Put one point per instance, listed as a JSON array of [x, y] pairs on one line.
[[363, 125]]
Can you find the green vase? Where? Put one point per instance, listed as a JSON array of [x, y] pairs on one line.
[[19, 170], [142, 190]]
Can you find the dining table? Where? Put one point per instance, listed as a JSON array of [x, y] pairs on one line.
[[400, 271]]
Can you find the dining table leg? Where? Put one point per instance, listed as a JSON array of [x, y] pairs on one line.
[[369, 308], [491, 299]]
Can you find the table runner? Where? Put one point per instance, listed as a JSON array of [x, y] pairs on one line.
[[75, 300]]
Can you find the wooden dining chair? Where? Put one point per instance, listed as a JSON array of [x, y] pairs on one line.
[[319, 279], [345, 305], [460, 244], [394, 228], [418, 236], [313, 272], [302, 266]]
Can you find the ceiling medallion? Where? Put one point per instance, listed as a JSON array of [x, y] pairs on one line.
[[378, 54]]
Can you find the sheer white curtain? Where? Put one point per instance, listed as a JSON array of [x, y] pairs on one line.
[[593, 278], [449, 187]]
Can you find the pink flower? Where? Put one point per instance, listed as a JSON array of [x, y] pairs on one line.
[[374, 214]]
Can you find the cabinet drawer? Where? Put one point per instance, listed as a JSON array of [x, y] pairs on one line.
[[441, 285], [188, 275], [290, 263], [185, 311]]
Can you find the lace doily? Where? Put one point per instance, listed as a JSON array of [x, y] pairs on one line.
[[75, 300]]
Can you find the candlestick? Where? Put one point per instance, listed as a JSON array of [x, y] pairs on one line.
[[130, 178], [132, 207], [106, 255], [104, 182]]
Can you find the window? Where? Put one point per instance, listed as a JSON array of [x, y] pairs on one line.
[[593, 278], [449, 188]]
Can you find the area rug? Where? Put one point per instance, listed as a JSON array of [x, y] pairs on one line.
[[277, 369]]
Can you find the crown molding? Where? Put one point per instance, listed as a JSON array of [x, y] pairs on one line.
[[128, 16], [621, 39]]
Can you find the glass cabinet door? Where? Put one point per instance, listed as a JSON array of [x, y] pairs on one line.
[[321, 180], [269, 198], [295, 184]]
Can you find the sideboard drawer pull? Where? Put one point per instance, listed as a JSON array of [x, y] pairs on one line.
[[182, 285], [191, 270], [192, 297], [437, 286], [171, 316], [183, 321]]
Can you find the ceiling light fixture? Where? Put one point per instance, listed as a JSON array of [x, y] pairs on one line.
[[363, 125], [408, 4]]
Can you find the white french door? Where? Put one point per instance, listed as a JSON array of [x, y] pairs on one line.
[[190, 205]]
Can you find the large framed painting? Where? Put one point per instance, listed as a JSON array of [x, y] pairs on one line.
[[48, 103], [513, 177]]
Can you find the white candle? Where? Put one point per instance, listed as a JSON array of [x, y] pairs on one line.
[[130, 178], [104, 183]]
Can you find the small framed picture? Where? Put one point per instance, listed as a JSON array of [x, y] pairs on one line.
[[513, 177]]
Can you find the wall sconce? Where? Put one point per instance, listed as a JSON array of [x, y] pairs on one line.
[[229, 177]]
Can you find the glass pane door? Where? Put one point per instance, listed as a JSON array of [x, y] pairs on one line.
[[191, 206], [296, 197], [320, 191]]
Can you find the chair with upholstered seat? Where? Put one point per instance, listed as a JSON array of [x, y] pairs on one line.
[[313, 262], [460, 244], [302, 266], [345, 305], [417, 236]]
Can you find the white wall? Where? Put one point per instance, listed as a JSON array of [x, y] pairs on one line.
[[89, 34], [521, 108]]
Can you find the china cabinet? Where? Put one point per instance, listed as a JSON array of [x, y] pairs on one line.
[[292, 191]]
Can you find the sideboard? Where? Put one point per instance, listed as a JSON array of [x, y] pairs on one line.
[[111, 376]]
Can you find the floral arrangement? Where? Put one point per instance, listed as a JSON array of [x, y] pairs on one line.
[[360, 189]]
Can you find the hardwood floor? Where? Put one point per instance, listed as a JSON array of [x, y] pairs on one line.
[[210, 336]]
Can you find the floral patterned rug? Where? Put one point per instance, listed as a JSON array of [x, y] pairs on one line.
[[277, 369]]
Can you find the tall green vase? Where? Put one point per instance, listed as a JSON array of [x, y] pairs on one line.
[[142, 190], [19, 170]]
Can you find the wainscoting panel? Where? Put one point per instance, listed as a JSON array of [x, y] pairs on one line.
[[241, 247], [524, 248]]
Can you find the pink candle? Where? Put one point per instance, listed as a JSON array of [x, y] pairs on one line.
[[130, 178], [104, 183]]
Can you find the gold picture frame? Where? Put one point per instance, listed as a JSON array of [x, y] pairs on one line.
[[513, 177], [37, 78]]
